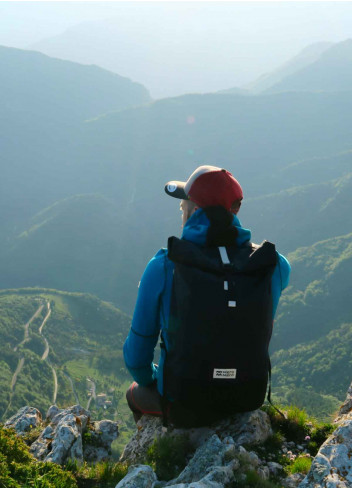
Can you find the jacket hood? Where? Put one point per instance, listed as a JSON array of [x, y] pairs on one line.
[[196, 228]]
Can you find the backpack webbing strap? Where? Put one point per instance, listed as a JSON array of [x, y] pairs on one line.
[[224, 256], [269, 393], [163, 398]]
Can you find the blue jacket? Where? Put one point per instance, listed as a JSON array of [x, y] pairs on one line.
[[154, 297]]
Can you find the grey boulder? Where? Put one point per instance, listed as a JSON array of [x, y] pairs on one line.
[[24, 420], [138, 476]]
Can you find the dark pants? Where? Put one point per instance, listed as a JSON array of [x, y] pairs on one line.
[[147, 400], [144, 400]]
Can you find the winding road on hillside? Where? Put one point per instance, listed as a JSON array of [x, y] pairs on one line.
[[21, 360], [93, 393], [46, 351], [55, 383], [47, 348], [26, 327], [17, 371], [45, 319], [40, 331]]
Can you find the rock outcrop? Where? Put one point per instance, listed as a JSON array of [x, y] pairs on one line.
[[139, 476], [24, 420], [62, 438], [101, 436], [218, 456], [222, 455], [245, 429], [215, 463], [68, 434], [332, 466]]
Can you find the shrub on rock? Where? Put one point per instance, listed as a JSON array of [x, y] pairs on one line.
[[18, 468]]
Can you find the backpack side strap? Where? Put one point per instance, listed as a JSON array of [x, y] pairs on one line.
[[269, 392]]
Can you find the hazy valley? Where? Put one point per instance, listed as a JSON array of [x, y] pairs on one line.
[[85, 156]]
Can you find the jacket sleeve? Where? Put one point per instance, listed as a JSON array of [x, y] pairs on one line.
[[285, 271], [144, 333], [280, 280]]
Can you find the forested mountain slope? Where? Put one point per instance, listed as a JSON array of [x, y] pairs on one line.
[[319, 298], [43, 101], [85, 242], [71, 357], [34, 84], [301, 215], [313, 332]]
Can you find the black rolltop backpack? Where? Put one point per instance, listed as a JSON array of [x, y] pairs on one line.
[[217, 361]]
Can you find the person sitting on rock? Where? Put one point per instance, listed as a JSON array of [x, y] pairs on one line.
[[211, 297]]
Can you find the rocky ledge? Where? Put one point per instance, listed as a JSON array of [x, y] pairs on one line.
[[223, 455], [65, 434], [226, 454]]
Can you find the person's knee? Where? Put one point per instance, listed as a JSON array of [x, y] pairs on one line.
[[129, 395]]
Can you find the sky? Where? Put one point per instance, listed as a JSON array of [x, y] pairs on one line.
[[25, 22], [176, 47]]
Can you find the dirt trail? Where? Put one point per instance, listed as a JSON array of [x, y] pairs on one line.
[[40, 331], [21, 360], [26, 327], [55, 383], [93, 393], [46, 318], [13, 383], [46, 351], [17, 371]]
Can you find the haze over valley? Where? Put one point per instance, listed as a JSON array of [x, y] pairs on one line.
[[86, 152]]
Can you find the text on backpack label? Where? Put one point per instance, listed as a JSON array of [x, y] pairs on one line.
[[224, 373]]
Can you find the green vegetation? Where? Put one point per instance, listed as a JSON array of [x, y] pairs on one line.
[[18, 468], [85, 336], [296, 426], [254, 480], [301, 464], [33, 434], [167, 455], [102, 474], [313, 334]]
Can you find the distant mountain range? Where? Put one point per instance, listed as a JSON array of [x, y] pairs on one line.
[[44, 103], [61, 90], [174, 48], [82, 205], [321, 67], [305, 58], [330, 72]]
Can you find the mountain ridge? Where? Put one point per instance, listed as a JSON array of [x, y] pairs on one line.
[[330, 72]]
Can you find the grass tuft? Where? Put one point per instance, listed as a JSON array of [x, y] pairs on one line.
[[101, 474], [302, 465], [167, 455]]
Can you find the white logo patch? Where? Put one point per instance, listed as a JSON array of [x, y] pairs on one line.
[[172, 187], [224, 373]]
